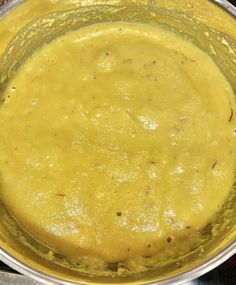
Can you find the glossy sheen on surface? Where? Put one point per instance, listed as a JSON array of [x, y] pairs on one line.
[[116, 141]]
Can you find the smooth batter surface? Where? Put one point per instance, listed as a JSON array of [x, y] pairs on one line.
[[116, 141]]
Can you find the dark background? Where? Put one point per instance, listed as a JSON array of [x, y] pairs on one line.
[[233, 2]]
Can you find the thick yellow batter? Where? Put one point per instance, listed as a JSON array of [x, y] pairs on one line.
[[116, 141]]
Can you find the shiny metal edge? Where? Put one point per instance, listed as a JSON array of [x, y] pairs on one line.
[[182, 278], [226, 6], [10, 5], [13, 279]]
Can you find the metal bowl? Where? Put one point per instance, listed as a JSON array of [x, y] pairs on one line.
[[217, 18]]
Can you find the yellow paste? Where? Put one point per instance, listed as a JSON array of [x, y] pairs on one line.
[[116, 140]]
